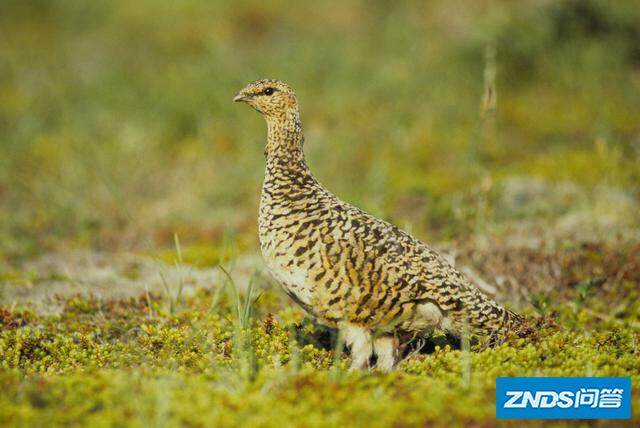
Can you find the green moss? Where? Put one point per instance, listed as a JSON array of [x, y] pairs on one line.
[[123, 364]]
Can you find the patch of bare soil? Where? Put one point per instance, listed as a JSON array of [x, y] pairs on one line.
[[42, 282], [515, 271]]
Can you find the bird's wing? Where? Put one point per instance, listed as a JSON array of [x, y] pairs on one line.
[[419, 274]]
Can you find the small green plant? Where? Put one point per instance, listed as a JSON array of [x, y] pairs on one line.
[[173, 292], [336, 369], [242, 316], [540, 302], [584, 288]]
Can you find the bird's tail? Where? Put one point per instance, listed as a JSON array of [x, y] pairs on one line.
[[480, 314]]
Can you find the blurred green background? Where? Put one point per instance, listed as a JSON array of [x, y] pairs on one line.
[[117, 128]]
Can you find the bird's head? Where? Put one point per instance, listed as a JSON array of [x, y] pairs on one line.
[[272, 98]]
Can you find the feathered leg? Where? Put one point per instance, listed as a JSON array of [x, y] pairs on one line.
[[360, 342], [386, 348]]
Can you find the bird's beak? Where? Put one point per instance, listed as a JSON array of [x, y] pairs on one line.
[[239, 97]]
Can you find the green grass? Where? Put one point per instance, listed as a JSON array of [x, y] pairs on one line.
[[116, 119], [118, 134]]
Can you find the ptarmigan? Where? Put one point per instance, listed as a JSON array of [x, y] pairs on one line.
[[345, 267]]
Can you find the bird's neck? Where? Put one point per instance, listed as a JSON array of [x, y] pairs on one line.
[[284, 138]]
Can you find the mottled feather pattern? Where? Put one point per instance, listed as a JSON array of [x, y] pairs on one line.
[[345, 267]]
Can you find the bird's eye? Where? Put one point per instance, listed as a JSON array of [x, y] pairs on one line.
[[268, 91]]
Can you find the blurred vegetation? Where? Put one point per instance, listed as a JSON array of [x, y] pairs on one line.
[[457, 120], [117, 129]]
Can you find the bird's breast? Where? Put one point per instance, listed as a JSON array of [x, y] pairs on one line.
[[280, 244]]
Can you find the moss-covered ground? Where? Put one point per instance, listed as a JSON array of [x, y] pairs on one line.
[[221, 358]]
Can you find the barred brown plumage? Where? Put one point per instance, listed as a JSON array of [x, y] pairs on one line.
[[347, 268]]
